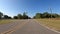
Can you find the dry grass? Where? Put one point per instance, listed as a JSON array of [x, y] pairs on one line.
[[5, 21], [52, 23]]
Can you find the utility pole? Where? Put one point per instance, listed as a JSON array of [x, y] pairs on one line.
[[51, 12]]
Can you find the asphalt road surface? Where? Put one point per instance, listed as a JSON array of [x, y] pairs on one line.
[[29, 26]]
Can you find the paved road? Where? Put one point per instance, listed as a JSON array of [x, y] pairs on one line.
[[14, 24], [26, 27]]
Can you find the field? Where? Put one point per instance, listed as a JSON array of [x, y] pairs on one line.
[[5, 21], [51, 23]]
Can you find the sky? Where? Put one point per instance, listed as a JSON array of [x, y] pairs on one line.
[[31, 7]]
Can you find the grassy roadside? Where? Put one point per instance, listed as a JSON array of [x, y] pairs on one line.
[[6, 21], [52, 23]]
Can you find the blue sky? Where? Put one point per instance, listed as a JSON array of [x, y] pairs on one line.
[[14, 7]]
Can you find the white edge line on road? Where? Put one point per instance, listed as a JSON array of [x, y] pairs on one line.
[[48, 27]]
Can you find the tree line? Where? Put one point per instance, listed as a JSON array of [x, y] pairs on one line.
[[4, 16], [46, 15], [24, 16], [19, 16]]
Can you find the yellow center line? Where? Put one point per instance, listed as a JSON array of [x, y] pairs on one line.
[[14, 29]]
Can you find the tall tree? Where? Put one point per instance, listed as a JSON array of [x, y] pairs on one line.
[[19, 16], [7, 17], [46, 15], [15, 17], [38, 15], [25, 16], [1, 14]]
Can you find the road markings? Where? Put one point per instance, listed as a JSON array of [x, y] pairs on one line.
[[48, 27], [14, 29]]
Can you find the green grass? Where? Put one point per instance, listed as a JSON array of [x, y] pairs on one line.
[[52, 23], [5, 21]]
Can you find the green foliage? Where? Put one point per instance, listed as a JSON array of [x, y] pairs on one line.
[[1, 14], [6, 17], [19, 16], [46, 15], [38, 15], [24, 16], [15, 17]]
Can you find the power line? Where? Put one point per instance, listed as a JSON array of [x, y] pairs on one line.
[[51, 12]]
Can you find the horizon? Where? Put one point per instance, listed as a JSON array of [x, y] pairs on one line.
[[14, 7]]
